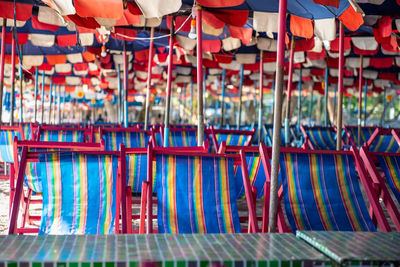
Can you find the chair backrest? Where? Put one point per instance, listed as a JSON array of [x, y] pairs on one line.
[[131, 139], [390, 165], [196, 194], [79, 193], [61, 135], [366, 133], [136, 171], [383, 141], [6, 143], [322, 138], [230, 137], [321, 192], [256, 176], [180, 137]]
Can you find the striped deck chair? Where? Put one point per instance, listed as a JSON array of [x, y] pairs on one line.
[[383, 140], [321, 192], [256, 176], [80, 193], [33, 173], [268, 133], [7, 134], [195, 193], [231, 137], [351, 137], [61, 135], [389, 164], [27, 127], [320, 138], [180, 137], [136, 138]]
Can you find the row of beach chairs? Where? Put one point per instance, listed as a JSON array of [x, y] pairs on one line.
[[87, 185]]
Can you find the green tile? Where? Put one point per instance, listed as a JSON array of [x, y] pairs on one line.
[[228, 264], [85, 264], [169, 264], [285, 263], [181, 264], [133, 264], [251, 264], [97, 264], [12, 264], [110, 264], [61, 264], [204, 263], [262, 264], [73, 264], [296, 264], [36, 264], [274, 264]]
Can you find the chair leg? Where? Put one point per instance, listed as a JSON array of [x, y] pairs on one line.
[[129, 209], [12, 186], [143, 207], [265, 216], [25, 207], [254, 193]]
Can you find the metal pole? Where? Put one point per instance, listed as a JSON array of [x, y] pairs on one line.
[[200, 113], [260, 106], [21, 96], [360, 73], [169, 83], [119, 94], [310, 109], [50, 100], [191, 102], [12, 77], [59, 105], [204, 91], [36, 92], [149, 73], [289, 91], [299, 100], [2, 61], [239, 116], [340, 87], [326, 94], [365, 103], [384, 107], [125, 86], [221, 123], [42, 108], [280, 63]]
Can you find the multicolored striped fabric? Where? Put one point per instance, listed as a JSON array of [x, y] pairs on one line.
[[62, 136], [321, 192], [232, 139], [130, 139], [158, 138], [6, 145], [268, 133], [79, 193], [256, 175], [182, 138], [366, 133], [196, 195], [391, 167], [322, 138], [136, 171], [33, 177], [26, 127], [384, 143]]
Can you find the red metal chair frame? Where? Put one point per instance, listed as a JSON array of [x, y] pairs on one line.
[[147, 200]]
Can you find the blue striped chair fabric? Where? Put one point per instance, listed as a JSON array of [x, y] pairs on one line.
[[322, 192]]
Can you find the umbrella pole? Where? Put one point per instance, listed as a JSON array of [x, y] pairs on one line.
[[365, 103], [221, 123], [12, 77], [125, 86], [21, 96], [310, 108], [2, 61], [149, 71], [340, 88], [36, 93], [169, 83], [239, 116], [191, 102], [360, 74], [204, 90], [326, 95], [277, 125], [50, 100], [384, 107], [42, 100], [119, 103], [260, 106], [289, 90], [59, 105], [200, 113], [299, 100]]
